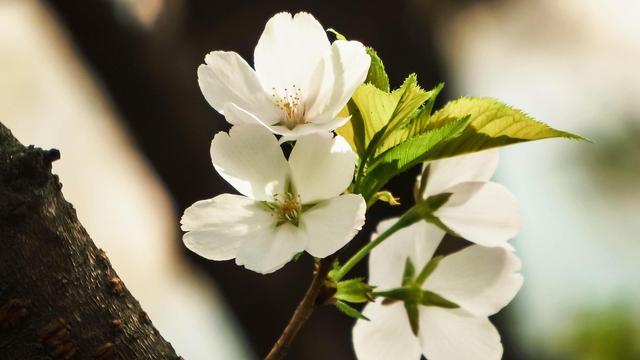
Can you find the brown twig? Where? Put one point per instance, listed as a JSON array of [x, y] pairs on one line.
[[303, 311]]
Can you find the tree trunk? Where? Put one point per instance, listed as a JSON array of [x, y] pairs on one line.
[[59, 296]]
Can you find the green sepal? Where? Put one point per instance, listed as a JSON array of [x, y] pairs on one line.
[[435, 202], [350, 311], [431, 218], [421, 183], [429, 298], [413, 313], [409, 271], [410, 293], [428, 269], [354, 291]]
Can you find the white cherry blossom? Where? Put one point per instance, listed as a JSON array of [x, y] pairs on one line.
[[479, 210], [286, 206], [300, 83], [481, 280]]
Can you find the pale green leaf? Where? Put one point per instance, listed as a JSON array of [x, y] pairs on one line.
[[377, 76], [406, 155], [413, 96], [413, 125], [493, 124], [375, 107], [353, 130]]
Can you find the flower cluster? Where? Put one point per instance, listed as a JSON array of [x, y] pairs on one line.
[[456, 293], [349, 135], [300, 83]]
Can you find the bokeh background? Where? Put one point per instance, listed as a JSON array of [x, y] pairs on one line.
[[112, 84]]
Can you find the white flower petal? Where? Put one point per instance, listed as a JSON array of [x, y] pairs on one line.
[[237, 116], [250, 159], [218, 226], [386, 336], [332, 223], [227, 78], [321, 166], [271, 250], [481, 280], [341, 71], [445, 173], [288, 51], [485, 213], [452, 334], [386, 261]]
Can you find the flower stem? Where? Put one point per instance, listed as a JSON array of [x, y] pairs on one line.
[[413, 215], [303, 311]]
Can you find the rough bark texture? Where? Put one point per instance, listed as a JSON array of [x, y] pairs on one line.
[[59, 296]]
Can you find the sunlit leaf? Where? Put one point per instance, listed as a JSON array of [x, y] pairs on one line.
[[406, 155], [493, 124], [413, 125], [377, 76]]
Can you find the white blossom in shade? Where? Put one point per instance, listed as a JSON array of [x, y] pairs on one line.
[[300, 83], [479, 210], [481, 280], [286, 206]]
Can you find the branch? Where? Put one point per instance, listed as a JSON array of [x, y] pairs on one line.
[[303, 311], [59, 296]]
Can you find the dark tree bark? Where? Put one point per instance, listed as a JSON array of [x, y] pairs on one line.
[[59, 296]]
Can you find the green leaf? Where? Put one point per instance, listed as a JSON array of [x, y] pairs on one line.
[[377, 76], [353, 130], [376, 108], [376, 114], [493, 124], [354, 291], [381, 110], [349, 311], [412, 98], [406, 155], [414, 125], [432, 299]]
